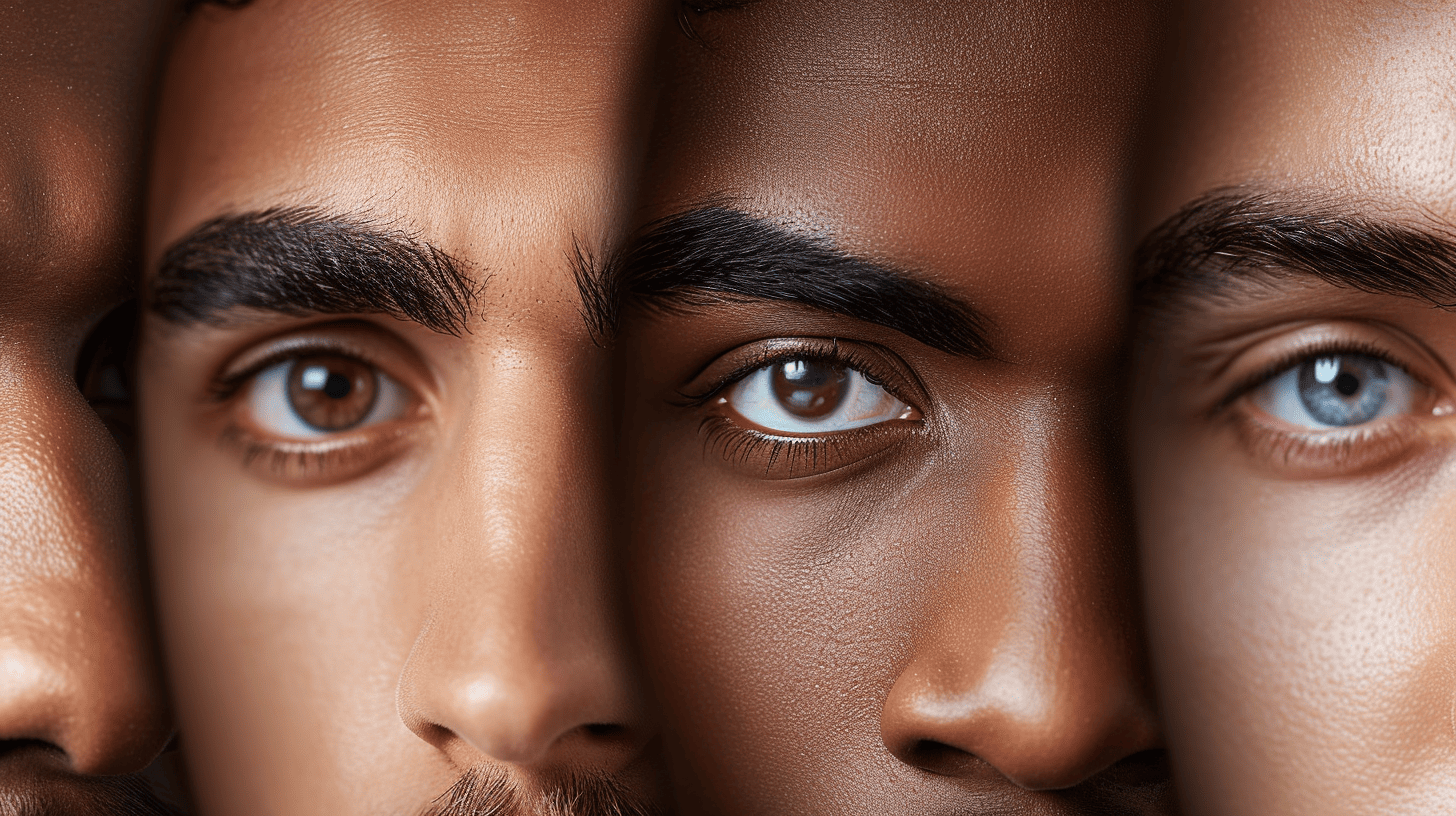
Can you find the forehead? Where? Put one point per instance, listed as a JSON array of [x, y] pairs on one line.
[[937, 135], [1359, 97], [454, 117]]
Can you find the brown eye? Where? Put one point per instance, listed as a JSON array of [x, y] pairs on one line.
[[331, 393], [809, 389]]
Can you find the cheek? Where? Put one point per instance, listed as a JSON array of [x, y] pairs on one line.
[[771, 624], [1297, 624]]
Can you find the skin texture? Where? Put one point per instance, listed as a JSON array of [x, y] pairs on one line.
[[1300, 583], [350, 636], [80, 693], [942, 616]]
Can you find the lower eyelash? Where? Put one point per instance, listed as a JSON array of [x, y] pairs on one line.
[[313, 461], [1340, 453], [800, 455]]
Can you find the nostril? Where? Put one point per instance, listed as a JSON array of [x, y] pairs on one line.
[[605, 730], [944, 760]]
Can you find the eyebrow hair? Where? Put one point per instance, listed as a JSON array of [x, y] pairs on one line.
[[301, 261], [715, 254], [1234, 234]]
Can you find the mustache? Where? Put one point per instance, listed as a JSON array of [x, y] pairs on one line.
[[127, 795], [490, 791]]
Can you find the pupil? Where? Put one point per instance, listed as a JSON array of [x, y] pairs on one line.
[[1347, 383], [337, 386]]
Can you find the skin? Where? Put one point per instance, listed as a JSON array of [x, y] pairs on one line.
[[80, 694], [1302, 606], [946, 620], [353, 640]]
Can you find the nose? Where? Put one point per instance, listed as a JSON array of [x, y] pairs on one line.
[[77, 663], [1031, 660], [522, 657]]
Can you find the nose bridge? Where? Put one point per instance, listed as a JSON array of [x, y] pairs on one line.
[[521, 653], [1031, 662], [77, 663]]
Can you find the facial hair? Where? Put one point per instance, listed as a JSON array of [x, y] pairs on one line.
[[128, 795], [491, 791]]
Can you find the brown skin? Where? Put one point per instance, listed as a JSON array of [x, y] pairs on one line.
[[79, 688], [947, 620], [351, 642], [1301, 604]]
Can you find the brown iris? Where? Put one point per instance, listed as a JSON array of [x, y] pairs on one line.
[[809, 388], [330, 392]]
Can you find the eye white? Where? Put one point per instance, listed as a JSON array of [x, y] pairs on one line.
[[273, 411], [1334, 391], [863, 403]]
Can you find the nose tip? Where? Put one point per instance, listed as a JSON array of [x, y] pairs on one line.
[[526, 721], [104, 719], [1039, 725]]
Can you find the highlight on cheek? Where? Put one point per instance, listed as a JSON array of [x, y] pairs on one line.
[[807, 396]]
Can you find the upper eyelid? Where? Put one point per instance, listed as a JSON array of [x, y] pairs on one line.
[[833, 349], [331, 338]]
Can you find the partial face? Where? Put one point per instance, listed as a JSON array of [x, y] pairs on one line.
[[1296, 453], [79, 690], [879, 546], [374, 412]]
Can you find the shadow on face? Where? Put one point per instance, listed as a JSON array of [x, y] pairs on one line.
[[1292, 410], [880, 548], [81, 705], [374, 416]]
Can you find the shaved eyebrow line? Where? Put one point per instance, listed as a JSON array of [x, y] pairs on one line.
[[1233, 234], [302, 261], [714, 254]]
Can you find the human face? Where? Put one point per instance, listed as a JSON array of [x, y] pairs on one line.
[[1295, 453], [80, 695], [879, 547], [373, 412]]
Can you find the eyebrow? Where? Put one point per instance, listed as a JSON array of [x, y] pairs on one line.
[[1232, 234], [302, 261], [714, 254]]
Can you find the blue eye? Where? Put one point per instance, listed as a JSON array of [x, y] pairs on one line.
[[1338, 391], [320, 395], [808, 396]]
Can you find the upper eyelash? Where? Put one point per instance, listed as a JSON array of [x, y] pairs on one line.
[[225, 387], [837, 354], [1286, 361]]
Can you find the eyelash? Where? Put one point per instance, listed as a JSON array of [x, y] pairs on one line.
[[738, 445], [1326, 349], [341, 456]]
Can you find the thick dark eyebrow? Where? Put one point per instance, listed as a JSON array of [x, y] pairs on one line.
[[1231, 235], [303, 261], [715, 254]]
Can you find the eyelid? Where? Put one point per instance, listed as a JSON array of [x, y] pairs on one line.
[[879, 365], [1259, 362], [359, 340]]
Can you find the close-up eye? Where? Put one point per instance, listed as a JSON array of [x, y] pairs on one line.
[[806, 396], [314, 396], [1331, 391]]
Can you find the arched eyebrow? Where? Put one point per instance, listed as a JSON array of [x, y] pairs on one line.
[[1235, 235], [304, 261], [714, 254]]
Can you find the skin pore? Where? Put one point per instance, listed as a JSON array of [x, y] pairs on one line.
[[869, 339], [81, 703], [375, 418], [1295, 453]]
